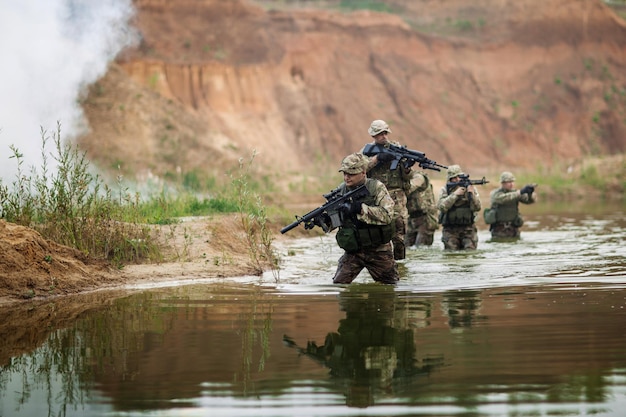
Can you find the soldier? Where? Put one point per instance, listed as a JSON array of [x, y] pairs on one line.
[[397, 182], [503, 216], [422, 210], [458, 207], [367, 229]]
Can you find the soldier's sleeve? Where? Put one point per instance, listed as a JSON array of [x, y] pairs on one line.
[[527, 198], [446, 201], [381, 212], [475, 204], [418, 182], [500, 197]]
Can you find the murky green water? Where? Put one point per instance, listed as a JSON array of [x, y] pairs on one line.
[[531, 328]]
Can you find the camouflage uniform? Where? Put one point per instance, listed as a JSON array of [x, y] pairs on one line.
[[506, 204], [422, 210], [375, 215], [458, 215], [397, 182]]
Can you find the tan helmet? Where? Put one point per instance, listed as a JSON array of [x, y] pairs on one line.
[[378, 126], [454, 171], [354, 163], [506, 176]]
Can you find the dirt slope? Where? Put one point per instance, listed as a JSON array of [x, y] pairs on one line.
[[33, 268], [494, 85]]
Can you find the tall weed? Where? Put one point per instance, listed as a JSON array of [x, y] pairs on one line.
[[73, 207], [253, 215]]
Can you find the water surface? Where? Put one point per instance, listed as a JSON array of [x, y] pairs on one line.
[[529, 328]]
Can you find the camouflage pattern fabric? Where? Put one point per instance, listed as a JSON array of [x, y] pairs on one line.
[[420, 230], [382, 212], [378, 261], [446, 201], [400, 217], [397, 182], [504, 230], [422, 211], [459, 237], [502, 197]]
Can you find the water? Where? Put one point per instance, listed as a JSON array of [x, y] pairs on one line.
[[531, 328]]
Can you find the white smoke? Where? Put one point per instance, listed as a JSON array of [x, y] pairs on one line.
[[51, 50]]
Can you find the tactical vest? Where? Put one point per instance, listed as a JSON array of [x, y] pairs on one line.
[[356, 235], [460, 214], [506, 212], [391, 178]]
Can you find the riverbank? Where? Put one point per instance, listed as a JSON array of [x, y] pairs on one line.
[[33, 268]]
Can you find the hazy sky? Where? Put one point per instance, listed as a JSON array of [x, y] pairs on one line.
[[50, 50]]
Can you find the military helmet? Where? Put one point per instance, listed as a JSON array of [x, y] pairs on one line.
[[506, 176], [454, 171], [378, 126], [354, 163]]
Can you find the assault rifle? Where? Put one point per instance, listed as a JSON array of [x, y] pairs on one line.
[[401, 153], [331, 210], [464, 181]]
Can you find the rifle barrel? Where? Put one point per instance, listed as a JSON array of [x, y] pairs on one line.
[[334, 200], [289, 227]]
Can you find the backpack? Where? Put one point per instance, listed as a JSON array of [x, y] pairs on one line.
[[489, 215]]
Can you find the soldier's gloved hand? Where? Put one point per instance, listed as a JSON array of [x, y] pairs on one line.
[[323, 221], [354, 207], [460, 191], [527, 189], [409, 163], [385, 157]]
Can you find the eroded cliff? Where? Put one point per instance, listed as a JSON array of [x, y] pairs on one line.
[[516, 85]]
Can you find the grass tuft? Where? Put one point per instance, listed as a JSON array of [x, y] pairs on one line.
[[75, 208]]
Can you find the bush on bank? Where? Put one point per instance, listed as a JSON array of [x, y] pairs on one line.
[[72, 206]]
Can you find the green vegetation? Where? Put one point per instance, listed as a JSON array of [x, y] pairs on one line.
[[604, 175], [377, 6], [253, 216], [73, 207], [76, 208]]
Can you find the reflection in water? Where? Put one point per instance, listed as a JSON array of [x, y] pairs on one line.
[[373, 349], [143, 350], [461, 307], [220, 350]]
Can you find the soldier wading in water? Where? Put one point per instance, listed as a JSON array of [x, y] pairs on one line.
[[503, 217], [396, 180], [367, 228], [458, 207], [422, 209]]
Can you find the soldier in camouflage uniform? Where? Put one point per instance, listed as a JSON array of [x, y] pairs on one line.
[[422, 210], [366, 232], [397, 182], [458, 207], [505, 202]]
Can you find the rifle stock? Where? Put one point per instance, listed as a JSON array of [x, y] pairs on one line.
[[332, 209], [402, 152]]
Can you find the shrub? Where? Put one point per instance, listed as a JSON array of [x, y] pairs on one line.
[[73, 207]]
